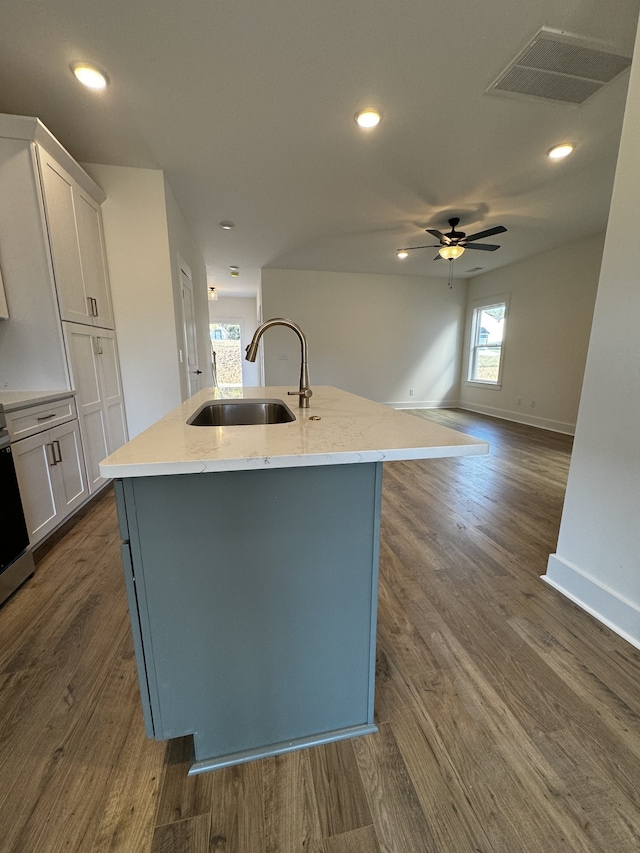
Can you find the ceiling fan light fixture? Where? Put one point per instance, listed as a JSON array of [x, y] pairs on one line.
[[402, 254], [450, 253], [368, 117], [89, 75], [559, 152]]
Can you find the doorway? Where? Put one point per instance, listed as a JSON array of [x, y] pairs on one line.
[[226, 348], [190, 356]]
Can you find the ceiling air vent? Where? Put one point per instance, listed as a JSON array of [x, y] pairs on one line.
[[560, 67]]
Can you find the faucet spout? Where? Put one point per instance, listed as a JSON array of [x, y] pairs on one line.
[[304, 391]]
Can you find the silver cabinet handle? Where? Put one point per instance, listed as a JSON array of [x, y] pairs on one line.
[[93, 306], [57, 453], [53, 460], [97, 346], [46, 417]]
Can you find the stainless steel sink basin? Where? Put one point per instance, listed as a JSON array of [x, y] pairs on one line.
[[241, 413]]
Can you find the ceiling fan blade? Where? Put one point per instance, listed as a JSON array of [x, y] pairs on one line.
[[438, 235], [488, 233], [410, 248], [486, 247]]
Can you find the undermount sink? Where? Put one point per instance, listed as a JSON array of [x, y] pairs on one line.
[[241, 413]]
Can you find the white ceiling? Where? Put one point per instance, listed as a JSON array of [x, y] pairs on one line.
[[248, 105]]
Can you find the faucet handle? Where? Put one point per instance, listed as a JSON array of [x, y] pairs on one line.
[[304, 392]]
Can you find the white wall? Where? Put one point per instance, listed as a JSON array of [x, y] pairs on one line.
[[597, 563], [374, 335], [138, 255], [182, 245], [242, 309], [551, 299]]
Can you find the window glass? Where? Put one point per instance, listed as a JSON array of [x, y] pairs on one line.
[[487, 334]]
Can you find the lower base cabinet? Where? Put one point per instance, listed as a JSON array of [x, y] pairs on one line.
[[51, 477], [253, 598], [93, 358]]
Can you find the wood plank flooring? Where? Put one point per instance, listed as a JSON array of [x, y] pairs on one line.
[[509, 720]]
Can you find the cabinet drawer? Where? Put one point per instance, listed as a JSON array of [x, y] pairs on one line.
[[34, 419]]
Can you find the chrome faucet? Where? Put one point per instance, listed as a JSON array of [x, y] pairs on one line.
[[304, 391]]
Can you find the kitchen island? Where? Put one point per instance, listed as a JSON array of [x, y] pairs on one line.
[[251, 562]]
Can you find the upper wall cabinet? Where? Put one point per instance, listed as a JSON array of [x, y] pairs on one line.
[[51, 252], [77, 247]]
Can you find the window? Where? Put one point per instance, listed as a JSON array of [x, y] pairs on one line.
[[487, 334]]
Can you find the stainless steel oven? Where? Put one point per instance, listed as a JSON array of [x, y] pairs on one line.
[[16, 560]]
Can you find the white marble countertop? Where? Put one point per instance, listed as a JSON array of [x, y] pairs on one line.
[[12, 400], [351, 429]]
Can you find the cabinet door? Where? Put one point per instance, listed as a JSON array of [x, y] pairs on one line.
[[111, 390], [82, 348], [69, 476], [74, 223], [95, 374], [58, 191], [35, 469], [92, 255]]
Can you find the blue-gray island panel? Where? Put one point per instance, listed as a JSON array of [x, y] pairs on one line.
[[255, 601]]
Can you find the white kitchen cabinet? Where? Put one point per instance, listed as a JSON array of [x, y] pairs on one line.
[[77, 246], [51, 477], [52, 254], [95, 373]]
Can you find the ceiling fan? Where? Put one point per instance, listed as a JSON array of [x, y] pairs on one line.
[[453, 243]]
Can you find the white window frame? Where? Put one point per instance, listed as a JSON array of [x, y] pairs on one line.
[[476, 308]]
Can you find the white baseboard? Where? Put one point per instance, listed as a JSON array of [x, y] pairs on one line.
[[502, 414], [619, 614], [425, 404], [520, 418]]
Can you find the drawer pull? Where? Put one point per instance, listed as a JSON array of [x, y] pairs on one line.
[[46, 417], [57, 453], [53, 454]]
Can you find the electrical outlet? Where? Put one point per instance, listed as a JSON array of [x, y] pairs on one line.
[[533, 404], [284, 356], [411, 392], [519, 401]]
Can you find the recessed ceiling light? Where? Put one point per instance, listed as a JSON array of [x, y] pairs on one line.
[[89, 75], [226, 225], [233, 267], [559, 152], [368, 117], [402, 254]]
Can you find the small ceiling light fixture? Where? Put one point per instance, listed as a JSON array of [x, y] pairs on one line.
[[402, 254], [450, 253], [559, 152], [90, 76], [234, 272], [226, 225], [213, 294], [368, 117], [233, 267]]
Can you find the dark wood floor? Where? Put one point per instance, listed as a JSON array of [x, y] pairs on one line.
[[508, 718]]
